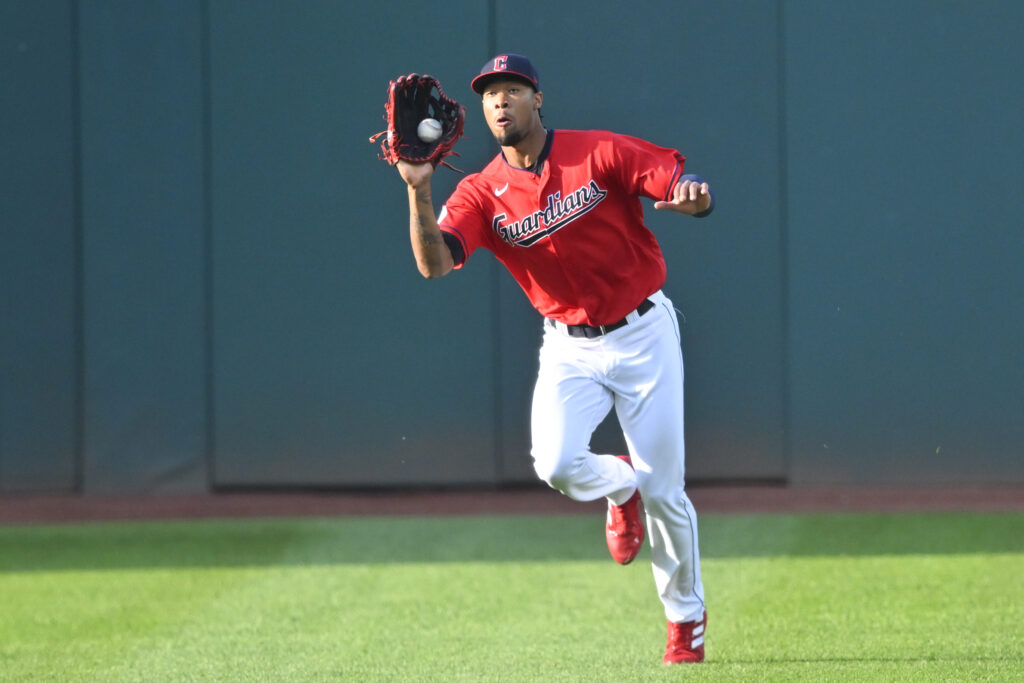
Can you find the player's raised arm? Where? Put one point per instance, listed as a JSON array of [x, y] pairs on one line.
[[423, 126], [433, 258]]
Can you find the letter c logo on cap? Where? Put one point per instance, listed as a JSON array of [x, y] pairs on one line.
[[501, 63]]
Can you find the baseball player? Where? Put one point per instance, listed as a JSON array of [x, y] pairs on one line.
[[561, 209]]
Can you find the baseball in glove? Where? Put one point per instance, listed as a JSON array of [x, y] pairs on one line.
[[411, 99]]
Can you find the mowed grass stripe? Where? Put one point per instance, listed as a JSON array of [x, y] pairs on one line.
[[214, 543]]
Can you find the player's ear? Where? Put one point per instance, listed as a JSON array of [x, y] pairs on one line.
[[538, 100]]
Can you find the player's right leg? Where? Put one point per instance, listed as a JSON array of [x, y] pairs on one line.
[[569, 403]]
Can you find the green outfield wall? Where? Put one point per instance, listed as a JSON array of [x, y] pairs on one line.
[[206, 283]]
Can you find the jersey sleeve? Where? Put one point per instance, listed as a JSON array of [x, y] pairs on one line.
[[646, 169], [462, 224]]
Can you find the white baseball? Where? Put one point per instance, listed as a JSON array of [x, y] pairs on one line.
[[429, 130]]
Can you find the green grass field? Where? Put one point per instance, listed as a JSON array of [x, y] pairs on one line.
[[790, 597]]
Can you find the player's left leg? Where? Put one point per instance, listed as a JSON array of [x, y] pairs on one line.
[[648, 383]]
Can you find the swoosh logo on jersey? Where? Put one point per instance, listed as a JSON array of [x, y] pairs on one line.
[[498, 193]]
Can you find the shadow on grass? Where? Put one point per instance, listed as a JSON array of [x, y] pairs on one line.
[[483, 539]]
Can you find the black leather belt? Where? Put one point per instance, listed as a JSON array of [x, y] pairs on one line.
[[590, 332]]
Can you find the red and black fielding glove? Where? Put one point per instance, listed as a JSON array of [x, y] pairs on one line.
[[411, 99]]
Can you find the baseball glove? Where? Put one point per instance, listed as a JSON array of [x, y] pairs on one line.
[[411, 99]]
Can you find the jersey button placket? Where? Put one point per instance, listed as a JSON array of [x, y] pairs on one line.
[[543, 191]]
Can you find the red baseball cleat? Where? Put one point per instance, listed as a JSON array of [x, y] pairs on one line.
[[624, 529], [686, 642]]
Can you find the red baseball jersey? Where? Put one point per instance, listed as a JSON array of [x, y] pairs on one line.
[[573, 236]]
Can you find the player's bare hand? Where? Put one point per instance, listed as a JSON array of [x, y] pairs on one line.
[[415, 175], [689, 197]]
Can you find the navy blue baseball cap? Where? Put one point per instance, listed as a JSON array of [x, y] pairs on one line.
[[506, 65]]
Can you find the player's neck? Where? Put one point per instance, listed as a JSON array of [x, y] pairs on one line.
[[525, 153]]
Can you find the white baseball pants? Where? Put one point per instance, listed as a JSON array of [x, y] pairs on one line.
[[638, 369]]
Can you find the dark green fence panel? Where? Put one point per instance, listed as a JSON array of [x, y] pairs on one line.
[[143, 258], [704, 78], [335, 363], [38, 237], [904, 192]]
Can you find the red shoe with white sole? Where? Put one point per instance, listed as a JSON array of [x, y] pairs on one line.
[[686, 642], [624, 528]]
